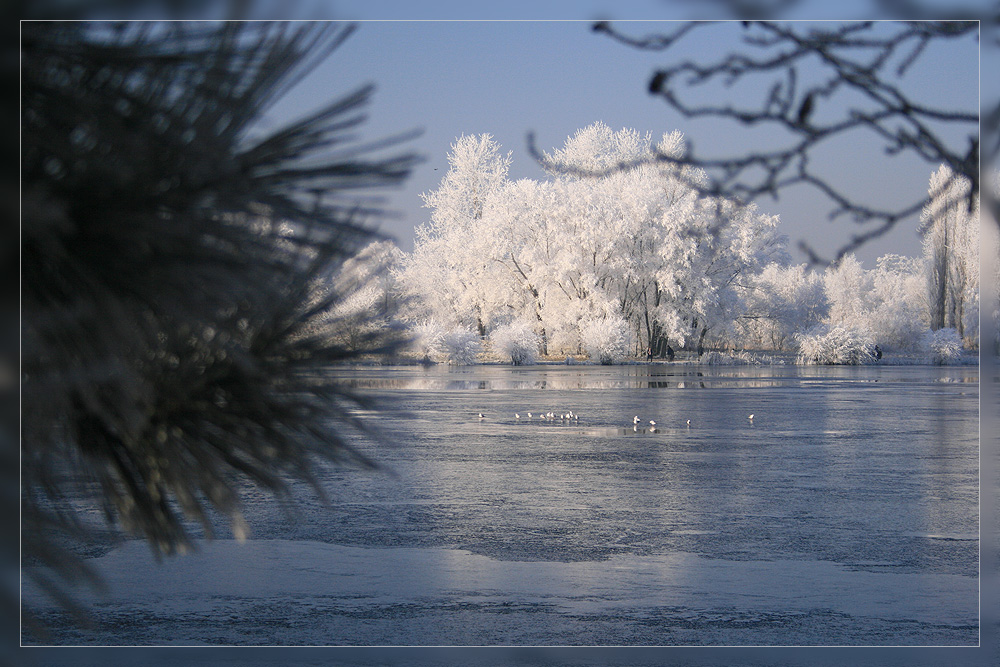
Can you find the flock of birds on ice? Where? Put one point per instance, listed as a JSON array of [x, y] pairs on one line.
[[572, 417]]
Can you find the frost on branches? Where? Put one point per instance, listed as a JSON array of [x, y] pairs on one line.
[[950, 229], [544, 267], [366, 317], [837, 345], [516, 342], [944, 346], [606, 340], [889, 302], [640, 246], [437, 342]]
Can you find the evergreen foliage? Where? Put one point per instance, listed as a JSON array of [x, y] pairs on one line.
[[173, 342]]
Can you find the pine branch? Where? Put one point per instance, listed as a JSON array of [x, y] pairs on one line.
[[172, 346]]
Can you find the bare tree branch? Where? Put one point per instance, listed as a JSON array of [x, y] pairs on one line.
[[806, 71]]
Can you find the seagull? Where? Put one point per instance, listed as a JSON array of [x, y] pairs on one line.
[[652, 423], [482, 416], [517, 416], [750, 417], [689, 422], [635, 420], [529, 415]]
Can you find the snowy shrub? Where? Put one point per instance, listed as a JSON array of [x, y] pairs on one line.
[[605, 339], [516, 341], [715, 358], [425, 340], [459, 346], [433, 341], [837, 345], [944, 346]]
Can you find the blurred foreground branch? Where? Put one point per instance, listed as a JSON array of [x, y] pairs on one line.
[[173, 345], [815, 83]]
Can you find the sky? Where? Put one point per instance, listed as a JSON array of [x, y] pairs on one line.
[[508, 78]]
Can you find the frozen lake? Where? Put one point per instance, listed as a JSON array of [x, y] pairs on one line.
[[844, 513]]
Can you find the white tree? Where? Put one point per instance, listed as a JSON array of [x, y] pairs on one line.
[[898, 315], [950, 228], [848, 288], [888, 302], [944, 346], [451, 266], [640, 245], [740, 244], [598, 148], [779, 303], [370, 279]]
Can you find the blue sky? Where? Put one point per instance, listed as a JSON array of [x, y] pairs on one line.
[[509, 78]]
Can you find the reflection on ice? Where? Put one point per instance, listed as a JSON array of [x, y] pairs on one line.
[[638, 376]]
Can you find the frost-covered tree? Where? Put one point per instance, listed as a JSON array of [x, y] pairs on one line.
[[640, 244], [365, 318], [436, 341], [780, 302], [888, 302], [743, 244], [849, 290], [526, 224], [897, 314], [943, 345], [950, 229], [459, 346], [451, 266], [599, 148]]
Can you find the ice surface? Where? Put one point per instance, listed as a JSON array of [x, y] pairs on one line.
[[845, 513]]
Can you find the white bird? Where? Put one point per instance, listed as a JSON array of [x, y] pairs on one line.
[[635, 420], [750, 417], [529, 415], [482, 416], [689, 422], [517, 416], [652, 423]]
